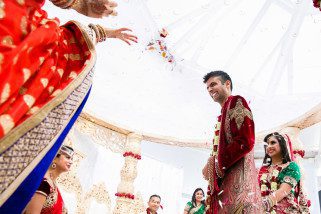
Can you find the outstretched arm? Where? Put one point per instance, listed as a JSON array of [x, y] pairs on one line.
[[122, 34], [103, 33]]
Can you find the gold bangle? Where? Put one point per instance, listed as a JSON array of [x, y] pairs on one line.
[[102, 32], [94, 27]]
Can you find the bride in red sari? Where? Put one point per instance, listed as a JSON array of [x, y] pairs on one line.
[[45, 79]]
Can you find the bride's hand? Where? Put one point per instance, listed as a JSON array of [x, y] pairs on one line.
[[122, 34]]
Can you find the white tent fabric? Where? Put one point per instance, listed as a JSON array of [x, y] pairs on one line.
[[270, 48]]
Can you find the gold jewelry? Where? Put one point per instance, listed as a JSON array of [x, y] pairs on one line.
[[277, 164], [53, 165], [94, 27], [102, 32]]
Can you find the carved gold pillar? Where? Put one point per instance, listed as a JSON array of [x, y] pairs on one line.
[[125, 190]]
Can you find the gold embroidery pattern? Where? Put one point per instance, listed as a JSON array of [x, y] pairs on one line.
[[23, 25], [2, 13], [26, 74], [33, 110], [7, 124], [74, 57], [7, 40], [1, 61], [29, 100], [15, 59], [17, 157], [60, 71], [21, 2], [44, 82], [239, 112], [72, 75], [227, 127], [51, 198], [5, 93], [290, 180]]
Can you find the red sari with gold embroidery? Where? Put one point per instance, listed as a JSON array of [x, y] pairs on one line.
[[54, 203], [45, 78], [38, 60], [233, 186]]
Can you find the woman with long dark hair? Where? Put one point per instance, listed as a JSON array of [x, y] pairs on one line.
[[280, 177], [197, 205]]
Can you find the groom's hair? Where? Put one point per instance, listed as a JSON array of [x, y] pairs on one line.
[[223, 76], [152, 196]]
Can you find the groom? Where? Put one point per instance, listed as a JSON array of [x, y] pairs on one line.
[[230, 170]]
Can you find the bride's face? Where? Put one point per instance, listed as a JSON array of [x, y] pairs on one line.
[[273, 147]]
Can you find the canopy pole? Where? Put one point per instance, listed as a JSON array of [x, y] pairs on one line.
[[125, 192]]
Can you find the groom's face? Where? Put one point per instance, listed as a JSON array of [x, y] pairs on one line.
[[154, 204], [218, 91]]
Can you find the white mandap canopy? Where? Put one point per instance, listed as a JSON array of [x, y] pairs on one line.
[[270, 48]]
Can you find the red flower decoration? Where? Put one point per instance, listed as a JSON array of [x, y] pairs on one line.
[[309, 203], [125, 195], [299, 152], [137, 156]]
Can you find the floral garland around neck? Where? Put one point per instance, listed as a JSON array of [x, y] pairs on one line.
[[216, 138], [269, 186]]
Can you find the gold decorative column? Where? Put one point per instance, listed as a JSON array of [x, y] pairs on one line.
[[125, 190]]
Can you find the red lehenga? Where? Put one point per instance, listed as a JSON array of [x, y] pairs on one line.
[[233, 185], [45, 78]]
